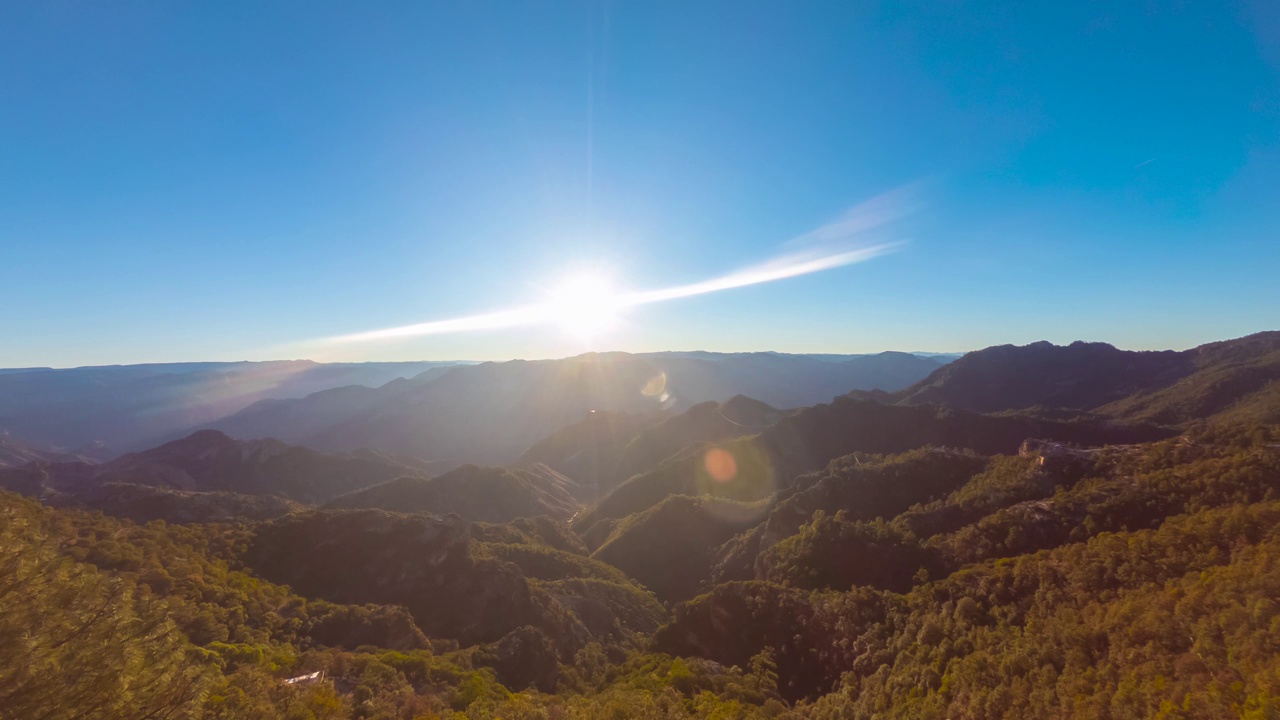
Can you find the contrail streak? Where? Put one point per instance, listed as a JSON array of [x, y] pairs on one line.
[[546, 312], [861, 219], [788, 268]]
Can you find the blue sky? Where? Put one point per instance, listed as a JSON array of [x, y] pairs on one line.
[[187, 181]]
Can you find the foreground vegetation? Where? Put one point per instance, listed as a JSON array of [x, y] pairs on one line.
[[1129, 581]]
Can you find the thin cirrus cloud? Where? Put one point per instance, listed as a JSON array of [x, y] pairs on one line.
[[836, 244]]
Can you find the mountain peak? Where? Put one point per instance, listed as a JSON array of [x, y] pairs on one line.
[[201, 439], [747, 410]]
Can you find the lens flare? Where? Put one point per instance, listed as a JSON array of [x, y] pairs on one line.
[[580, 311], [585, 304], [736, 478], [720, 465]]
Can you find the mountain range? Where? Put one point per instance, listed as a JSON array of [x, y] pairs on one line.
[[104, 411], [630, 434], [1093, 527], [491, 413], [1235, 379], [101, 412], [210, 462]]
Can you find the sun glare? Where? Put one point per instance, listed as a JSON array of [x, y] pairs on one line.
[[584, 305]]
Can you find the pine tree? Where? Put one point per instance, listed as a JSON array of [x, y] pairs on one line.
[[78, 644]]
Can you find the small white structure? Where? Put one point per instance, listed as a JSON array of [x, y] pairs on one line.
[[314, 677]]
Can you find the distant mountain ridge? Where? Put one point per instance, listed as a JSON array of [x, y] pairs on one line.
[[133, 407], [210, 462], [1232, 379], [15, 453], [1079, 376], [492, 412]]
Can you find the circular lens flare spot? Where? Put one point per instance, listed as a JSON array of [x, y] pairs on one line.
[[720, 465]]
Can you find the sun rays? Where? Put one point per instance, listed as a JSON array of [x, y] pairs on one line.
[[587, 304]]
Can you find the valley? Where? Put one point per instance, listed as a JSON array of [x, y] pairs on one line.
[[1025, 531]]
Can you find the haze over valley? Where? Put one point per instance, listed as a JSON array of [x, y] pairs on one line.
[[639, 361]]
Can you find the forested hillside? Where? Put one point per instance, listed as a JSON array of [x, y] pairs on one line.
[[857, 559], [1123, 581]]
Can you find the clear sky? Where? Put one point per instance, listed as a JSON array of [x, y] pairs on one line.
[[199, 181]]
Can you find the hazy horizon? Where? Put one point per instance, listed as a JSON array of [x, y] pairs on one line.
[[476, 360]]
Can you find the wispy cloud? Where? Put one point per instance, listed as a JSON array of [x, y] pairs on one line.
[[777, 269], [843, 242]]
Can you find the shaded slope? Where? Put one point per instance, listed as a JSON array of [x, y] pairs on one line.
[[669, 548], [1237, 380], [588, 450], [453, 586], [483, 494], [1080, 375], [1229, 380]]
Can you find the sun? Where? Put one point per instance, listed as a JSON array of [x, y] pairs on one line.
[[584, 305]]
